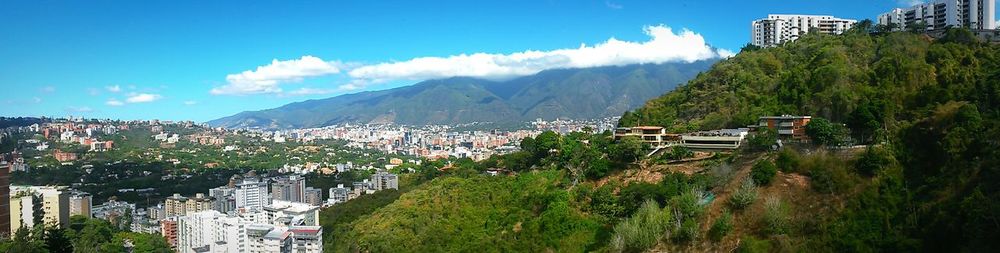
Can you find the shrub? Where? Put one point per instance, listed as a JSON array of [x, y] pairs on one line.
[[788, 161], [687, 205], [744, 196], [722, 226], [643, 229], [872, 161], [688, 232], [824, 132], [775, 220], [763, 171], [827, 179], [753, 245]]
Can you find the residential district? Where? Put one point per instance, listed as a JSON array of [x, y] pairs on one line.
[[264, 213]]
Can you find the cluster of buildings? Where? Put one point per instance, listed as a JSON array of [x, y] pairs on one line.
[[788, 127], [977, 15], [249, 214], [436, 141], [381, 180]]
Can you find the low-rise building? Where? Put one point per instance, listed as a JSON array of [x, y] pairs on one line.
[[656, 137], [715, 139], [788, 127]]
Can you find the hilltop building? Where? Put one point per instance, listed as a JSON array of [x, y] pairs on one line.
[[777, 29], [788, 127], [656, 137], [940, 14]]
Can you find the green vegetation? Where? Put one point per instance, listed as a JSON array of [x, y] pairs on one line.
[[763, 171], [470, 214], [744, 196], [83, 235], [644, 229], [722, 226], [929, 108]]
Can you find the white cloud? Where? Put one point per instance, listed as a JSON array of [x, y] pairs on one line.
[[663, 46], [115, 88], [93, 91], [48, 89], [79, 109], [266, 79], [190, 102], [612, 5], [142, 98], [114, 102], [36, 99]]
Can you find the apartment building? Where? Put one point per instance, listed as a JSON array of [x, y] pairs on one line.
[[339, 194], [26, 201], [5, 204], [778, 29], [175, 205], [80, 203], [940, 14], [251, 194], [211, 231], [313, 196], [289, 188], [788, 127], [383, 180], [198, 203]]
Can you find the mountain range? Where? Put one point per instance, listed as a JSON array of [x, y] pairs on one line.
[[583, 93]]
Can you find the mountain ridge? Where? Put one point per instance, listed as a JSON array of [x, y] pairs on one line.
[[549, 94]]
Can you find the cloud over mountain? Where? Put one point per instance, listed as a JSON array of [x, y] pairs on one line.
[[664, 45]]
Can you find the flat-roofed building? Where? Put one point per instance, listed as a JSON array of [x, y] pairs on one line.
[[715, 139], [787, 126], [656, 137]]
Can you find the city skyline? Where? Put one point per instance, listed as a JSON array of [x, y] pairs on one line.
[[181, 61]]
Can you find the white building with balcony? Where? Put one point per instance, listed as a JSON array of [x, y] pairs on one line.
[[777, 29]]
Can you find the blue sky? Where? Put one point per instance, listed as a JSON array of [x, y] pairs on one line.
[[201, 60]]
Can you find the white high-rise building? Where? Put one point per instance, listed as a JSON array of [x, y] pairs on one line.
[[211, 231], [777, 29], [251, 194], [972, 14]]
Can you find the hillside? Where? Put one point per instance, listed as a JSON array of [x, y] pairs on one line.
[[548, 95], [925, 179]]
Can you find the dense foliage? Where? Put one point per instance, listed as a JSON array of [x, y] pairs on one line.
[[83, 235], [929, 108]]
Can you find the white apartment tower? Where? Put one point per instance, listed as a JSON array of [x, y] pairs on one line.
[[777, 29], [251, 194], [972, 14]]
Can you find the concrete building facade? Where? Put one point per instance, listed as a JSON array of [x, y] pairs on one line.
[[940, 14], [778, 29]]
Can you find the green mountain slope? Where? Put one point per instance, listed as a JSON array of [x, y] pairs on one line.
[[928, 180], [609, 91]]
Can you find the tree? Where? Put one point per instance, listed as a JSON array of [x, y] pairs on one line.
[[763, 171], [629, 149], [763, 139], [56, 241], [824, 132]]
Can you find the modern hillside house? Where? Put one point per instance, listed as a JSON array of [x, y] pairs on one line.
[[656, 137], [715, 139], [777, 29], [789, 127], [940, 14]]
